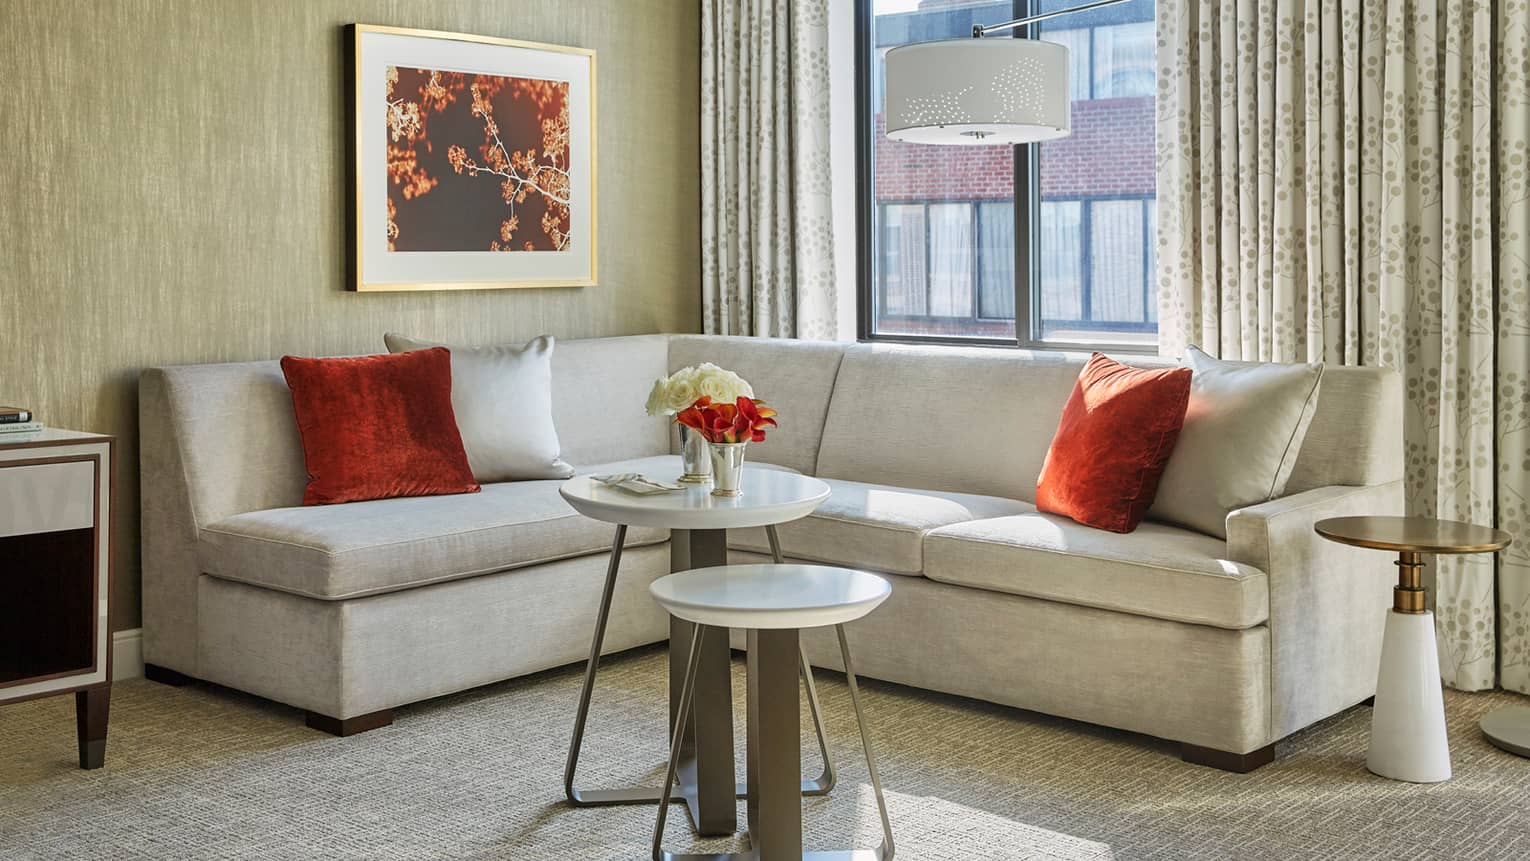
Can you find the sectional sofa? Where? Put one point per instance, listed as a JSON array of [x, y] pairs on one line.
[[347, 611]]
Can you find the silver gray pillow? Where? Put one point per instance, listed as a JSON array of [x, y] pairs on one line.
[[503, 400], [1243, 430]]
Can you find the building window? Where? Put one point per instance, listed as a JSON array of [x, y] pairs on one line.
[[1048, 245]]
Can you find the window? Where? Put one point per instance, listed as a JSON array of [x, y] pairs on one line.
[[1046, 245]]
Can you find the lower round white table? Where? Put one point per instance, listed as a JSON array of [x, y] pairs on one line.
[[772, 603], [698, 522]]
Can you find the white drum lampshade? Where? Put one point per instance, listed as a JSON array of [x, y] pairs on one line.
[[977, 92]]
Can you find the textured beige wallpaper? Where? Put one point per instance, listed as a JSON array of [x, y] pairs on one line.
[[172, 176]]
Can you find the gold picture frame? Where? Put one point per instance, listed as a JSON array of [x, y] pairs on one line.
[[453, 139]]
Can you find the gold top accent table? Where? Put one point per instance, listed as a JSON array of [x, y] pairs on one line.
[[1413, 534], [1411, 537], [1408, 740]]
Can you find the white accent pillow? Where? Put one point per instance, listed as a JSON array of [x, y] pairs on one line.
[[503, 400], [1243, 430]]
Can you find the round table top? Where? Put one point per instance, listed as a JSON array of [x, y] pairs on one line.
[[770, 596], [770, 496], [1413, 534]]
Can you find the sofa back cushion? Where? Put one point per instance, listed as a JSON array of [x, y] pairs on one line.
[[979, 420], [239, 443], [961, 420], [502, 396], [600, 386], [1356, 435], [795, 378], [1243, 433], [237, 437], [968, 420]]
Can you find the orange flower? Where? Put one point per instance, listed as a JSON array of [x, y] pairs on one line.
[[742, 421]]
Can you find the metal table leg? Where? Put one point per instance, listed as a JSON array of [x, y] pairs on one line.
[[824, 782], [886, 850], [775, 811], [706, 743], [705, 750], [683, 714], [600, 797], [706, 740]]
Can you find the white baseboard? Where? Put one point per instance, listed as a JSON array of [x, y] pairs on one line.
[[127, 654]]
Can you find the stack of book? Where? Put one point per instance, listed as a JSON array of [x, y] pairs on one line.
[[18, 420]]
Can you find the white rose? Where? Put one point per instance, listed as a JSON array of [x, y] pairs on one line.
[[680, 390], [722, 386], [658, 398], [681, 393]]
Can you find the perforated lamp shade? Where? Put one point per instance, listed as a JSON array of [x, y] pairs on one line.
[[977, 92]]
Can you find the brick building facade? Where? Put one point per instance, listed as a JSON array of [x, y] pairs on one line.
[[1108, 154]]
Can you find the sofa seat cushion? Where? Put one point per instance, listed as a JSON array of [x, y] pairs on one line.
[[874, 526], [1160, 571], [365, 548]]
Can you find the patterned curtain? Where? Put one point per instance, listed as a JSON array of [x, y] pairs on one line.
[[767, 240], [1349, 180]]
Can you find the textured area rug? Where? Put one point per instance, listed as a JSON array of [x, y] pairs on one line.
[[206, 773]]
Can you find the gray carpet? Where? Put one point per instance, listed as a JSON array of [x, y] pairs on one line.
[[206, 773]]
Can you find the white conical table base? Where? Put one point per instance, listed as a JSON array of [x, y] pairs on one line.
[[1408, 721]]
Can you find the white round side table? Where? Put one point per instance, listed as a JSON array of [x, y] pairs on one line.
[[773, 603], [698, 522]]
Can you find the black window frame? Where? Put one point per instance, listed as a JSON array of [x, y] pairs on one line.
[[1027, 221]]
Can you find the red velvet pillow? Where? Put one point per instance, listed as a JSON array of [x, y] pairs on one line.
[[1115, 437], [377, 427]]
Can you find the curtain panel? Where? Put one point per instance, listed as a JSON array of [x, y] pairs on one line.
[[767, 242], [1346, 180]]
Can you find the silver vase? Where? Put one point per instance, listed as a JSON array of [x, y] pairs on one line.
[[728, 468], [695, 462]]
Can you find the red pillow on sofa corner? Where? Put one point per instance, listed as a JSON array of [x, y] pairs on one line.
[[377, 427], [1112, 444]]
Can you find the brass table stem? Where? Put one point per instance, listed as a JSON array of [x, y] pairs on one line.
[[1408, 594]]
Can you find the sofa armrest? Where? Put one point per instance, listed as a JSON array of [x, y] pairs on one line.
[[1328, 601], [1252, 532], [167, 532]]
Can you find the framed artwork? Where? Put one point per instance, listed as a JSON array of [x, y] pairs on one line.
[[472, 161]]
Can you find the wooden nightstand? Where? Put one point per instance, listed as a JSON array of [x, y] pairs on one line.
[[55, 576]]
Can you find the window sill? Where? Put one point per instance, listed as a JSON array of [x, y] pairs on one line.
[[1069, 350]]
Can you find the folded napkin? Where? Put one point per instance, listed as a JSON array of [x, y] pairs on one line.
[[636, 482]]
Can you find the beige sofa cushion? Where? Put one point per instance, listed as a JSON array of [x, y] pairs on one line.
[[1243, 430], [967, 420], [1356, 434], [502, 397], [874, 526], [333, 552], [599, 389], [1158, 570]]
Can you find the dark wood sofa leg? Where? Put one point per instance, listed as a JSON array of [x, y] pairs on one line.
[[350, 726], [91, 707], [1240, 763], [166, 676]]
